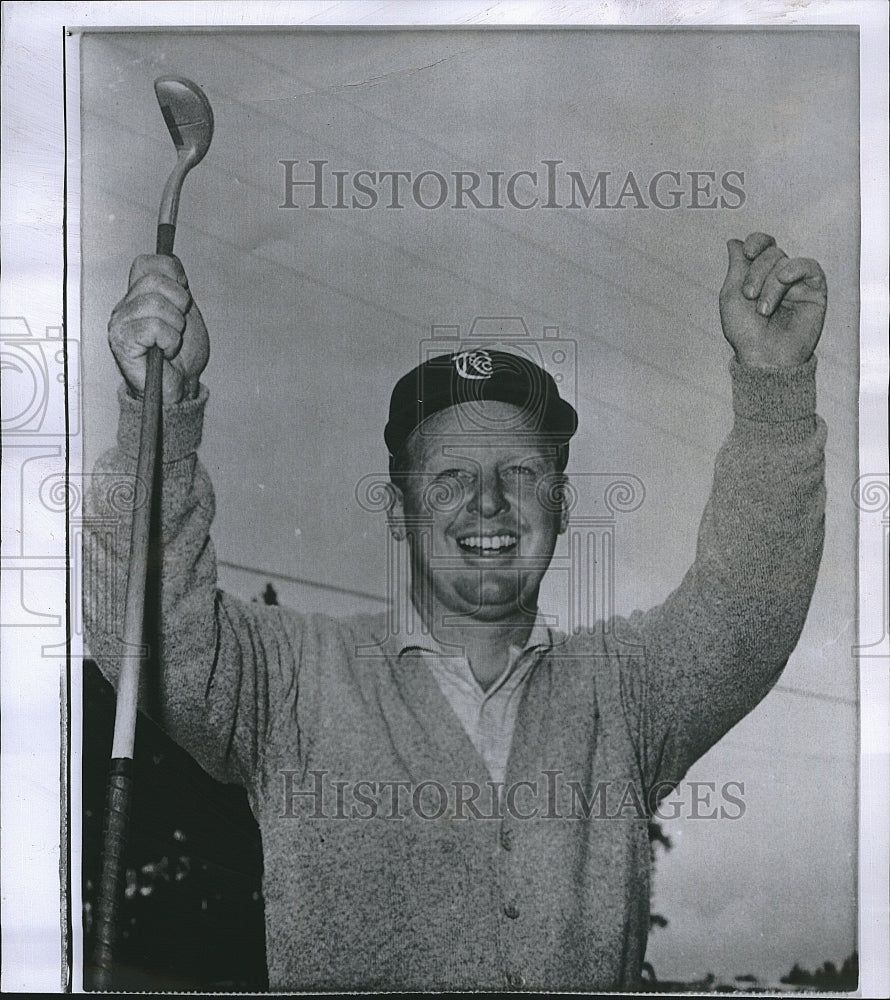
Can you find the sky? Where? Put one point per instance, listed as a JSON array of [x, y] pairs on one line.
[[314, 313]]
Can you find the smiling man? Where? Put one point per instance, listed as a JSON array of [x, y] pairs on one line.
[[478, 442], [458, 798]]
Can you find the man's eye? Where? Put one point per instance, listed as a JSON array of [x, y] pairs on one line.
[[521, 472], [461, 475]]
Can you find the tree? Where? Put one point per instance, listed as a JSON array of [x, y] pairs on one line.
[[657, 838], [269, 595], [827, 977]]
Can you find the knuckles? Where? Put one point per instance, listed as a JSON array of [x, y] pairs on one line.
[[756, 243], [154, 307], [147, 263], [160, 285], [157, 304], [154, 311], [813, 269]]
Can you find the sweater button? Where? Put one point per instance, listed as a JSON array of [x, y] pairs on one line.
[[507, 838], [511, 910], [515, 980]]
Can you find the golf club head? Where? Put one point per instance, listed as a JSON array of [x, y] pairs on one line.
[[188, 115]]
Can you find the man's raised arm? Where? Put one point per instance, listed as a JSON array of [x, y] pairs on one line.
[[216, 657], [721, 640]]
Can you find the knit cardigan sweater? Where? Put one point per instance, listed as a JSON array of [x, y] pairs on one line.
[[410, 888]]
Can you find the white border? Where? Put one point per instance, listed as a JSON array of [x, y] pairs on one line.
[[73, 318], [32, 94]]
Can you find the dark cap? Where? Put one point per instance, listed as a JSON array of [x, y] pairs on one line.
[[473, 377]]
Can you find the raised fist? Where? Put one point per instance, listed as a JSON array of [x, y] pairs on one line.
[[159, 309], [772, 307]]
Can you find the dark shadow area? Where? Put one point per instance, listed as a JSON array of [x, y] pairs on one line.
[[192, 913]]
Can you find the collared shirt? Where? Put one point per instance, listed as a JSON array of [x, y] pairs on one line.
[[487, 716]]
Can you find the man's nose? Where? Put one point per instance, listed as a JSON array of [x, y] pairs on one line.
[[488, 497]]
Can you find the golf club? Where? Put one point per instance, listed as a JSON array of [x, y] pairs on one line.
[[189, 119]]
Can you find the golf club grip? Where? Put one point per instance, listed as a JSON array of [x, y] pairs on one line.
[[166, 236], [117, 805], [111, 885]]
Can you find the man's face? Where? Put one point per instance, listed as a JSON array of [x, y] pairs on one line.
[[481, 512]]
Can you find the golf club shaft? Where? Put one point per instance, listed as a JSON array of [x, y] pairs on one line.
[[189, 119], [120, 774]]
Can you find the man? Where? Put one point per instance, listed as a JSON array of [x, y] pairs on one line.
[[457, 796]]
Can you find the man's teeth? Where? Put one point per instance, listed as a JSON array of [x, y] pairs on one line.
[[488, 542]]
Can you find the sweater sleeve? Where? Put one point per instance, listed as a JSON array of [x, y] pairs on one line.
[[221, 662], [720, 641]]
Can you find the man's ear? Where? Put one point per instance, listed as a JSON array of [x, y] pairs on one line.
[[395, 513]]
